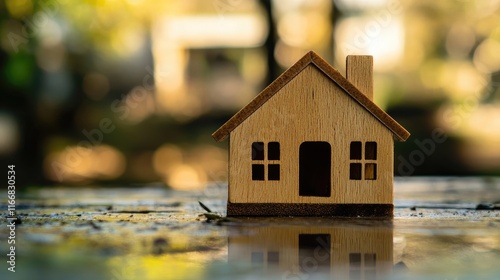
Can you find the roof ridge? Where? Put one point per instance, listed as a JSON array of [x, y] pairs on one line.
[[311, 57]]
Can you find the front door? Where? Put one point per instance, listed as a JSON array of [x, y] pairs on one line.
[[315, 169]]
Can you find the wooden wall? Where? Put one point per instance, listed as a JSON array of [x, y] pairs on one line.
[[311, 107]]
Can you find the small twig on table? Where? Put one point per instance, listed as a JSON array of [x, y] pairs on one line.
[[204, 207], [211, 216]]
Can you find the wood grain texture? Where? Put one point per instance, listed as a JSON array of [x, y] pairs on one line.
[[311, 58], [333, 242], [359, 71], [311, 107]]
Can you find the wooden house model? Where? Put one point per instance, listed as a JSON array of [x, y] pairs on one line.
[[313, 143]]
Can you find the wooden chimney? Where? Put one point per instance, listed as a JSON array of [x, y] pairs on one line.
[[359, 71]]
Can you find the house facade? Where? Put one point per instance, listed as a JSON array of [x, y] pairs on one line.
[[312, 144]]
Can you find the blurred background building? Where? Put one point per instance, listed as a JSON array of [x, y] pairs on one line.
[[119, 92]]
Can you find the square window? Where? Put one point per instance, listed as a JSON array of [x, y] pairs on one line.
[[370, 171], [273, 151], [355, 171], [354, 266], [258, 172], [355, 260], [273, 172], [258, 151], [371, 150], [355, 150]]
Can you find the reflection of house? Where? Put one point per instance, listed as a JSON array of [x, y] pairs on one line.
[[313, 143], [295, 251]]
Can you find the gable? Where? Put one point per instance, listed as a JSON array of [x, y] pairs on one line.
[[311, 58], [319, 111]]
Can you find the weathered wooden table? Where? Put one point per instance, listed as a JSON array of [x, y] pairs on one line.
[[444, 228]]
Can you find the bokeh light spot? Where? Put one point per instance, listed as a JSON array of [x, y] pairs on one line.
[[9, 134]]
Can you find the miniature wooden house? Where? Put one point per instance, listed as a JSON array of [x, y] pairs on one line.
[[313, 143]]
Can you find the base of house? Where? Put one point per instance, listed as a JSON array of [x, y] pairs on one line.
[[310, 209]]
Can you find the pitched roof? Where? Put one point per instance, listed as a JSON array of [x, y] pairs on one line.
[[399, 132]]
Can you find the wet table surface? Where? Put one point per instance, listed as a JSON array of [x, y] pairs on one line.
[[443, 228]]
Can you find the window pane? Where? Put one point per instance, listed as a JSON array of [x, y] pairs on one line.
[[371, 150], [355, 171], [273, 151], [370, 171], [355, 150], [258, 172], [258, 150], [354, 266], [354, 261], [273, 172]]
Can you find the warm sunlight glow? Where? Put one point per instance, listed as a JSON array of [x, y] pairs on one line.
[[140, 103], [186, 177], [487, 56], [174, 35], [304, 30], [382, 38], [190, 169], [81, 164], [166, 157], [231, 30]]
